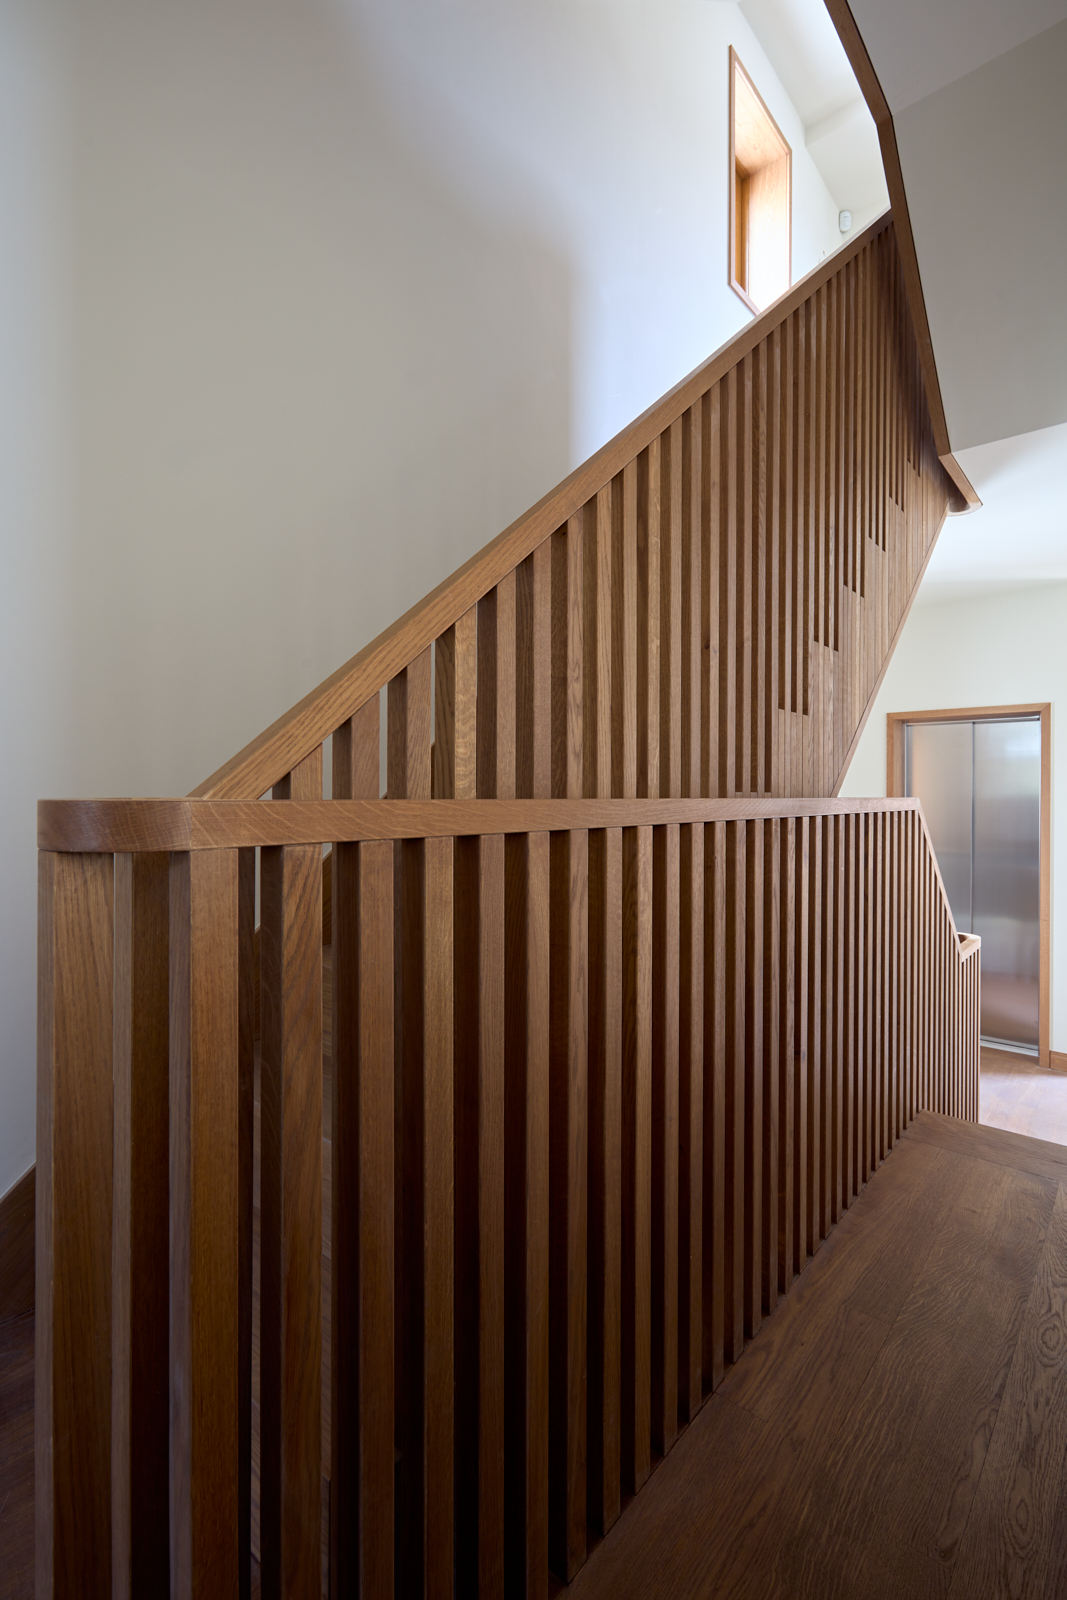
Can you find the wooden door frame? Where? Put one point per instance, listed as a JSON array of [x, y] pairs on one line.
[[894, 786]]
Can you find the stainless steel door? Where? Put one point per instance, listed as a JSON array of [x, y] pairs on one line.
[[980, 786], [1007, 876], [938, 767]]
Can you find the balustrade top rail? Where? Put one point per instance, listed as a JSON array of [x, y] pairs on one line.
[[134, 826], [80, 826]]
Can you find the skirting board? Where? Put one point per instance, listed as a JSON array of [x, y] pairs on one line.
[[1057, 1060], [17, 1248]]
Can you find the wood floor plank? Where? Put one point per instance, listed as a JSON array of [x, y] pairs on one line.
[[932, 1400], [16, 1455], [840, 1457], [1009, 1545], [1017, 1150]]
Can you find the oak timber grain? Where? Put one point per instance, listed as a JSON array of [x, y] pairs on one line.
[[1012, 1543], [362, 1225], [16, 1453], [291, 1221], [479, 1214], [16, 1247], [568, 1198], [526, 1202], [425, 1379], [140, 1228], [204, 1223], [605, 1176], [72, 1423], [132, 825], [636, 1155]]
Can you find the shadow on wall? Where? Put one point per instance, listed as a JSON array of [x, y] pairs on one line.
[[309, 377], [273, 378]]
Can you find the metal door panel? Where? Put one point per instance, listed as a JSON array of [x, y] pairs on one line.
[[1007, 876], [938, 763]]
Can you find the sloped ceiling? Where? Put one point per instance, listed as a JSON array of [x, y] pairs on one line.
[[804, 50], [978, 91]]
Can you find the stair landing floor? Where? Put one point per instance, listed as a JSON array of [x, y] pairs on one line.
[[898, 1427]]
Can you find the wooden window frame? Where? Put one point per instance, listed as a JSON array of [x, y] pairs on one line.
[[894, 787], [736, 221]]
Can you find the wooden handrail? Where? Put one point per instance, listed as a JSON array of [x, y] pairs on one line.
[[135, 825], [267, 758], [878, 105]]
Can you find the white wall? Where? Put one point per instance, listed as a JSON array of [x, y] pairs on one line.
[[1006, 648], [300, 304]]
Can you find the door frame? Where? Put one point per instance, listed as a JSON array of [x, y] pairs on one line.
[[894, 779]]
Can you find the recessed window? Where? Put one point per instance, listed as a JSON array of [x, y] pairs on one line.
[[761, 196]]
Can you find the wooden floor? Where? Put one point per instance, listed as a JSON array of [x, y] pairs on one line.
[[1014, 1092], [16, 1458], [897, 1428]]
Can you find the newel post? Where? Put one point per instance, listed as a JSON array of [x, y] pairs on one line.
[[204, 1224], [72, 1405]]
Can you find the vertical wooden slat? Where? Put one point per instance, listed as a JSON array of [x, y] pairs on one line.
[[802, 1047], [754, 1106], [691, 1118], [597, 688], [567, 659], [408, 716], [479, 1202], [526, 1202], [670, 705], [605, 1174], [636, 1154], [746, 735], [815, 1073], [291, 1219], [788, 1034], [648, 621], [734, 1107], [624, 633], [204, 1221], [72, 1359], [362, 1223], [761, 709], [247, 1032], [425, 1154], [715, 1130], [771, 1065], [496, 719], [355, 755], [455, 743], [710, 567], [665, 1134], [304, 782], [568, 1198], [533, 606], [728, 556], [691, 596], [140, 1228]]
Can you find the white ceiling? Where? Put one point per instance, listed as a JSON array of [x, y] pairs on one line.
[[919, 46], [1019, 536], [802, 46], [978, 91]]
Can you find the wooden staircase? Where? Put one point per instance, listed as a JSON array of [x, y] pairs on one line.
[[626, 1008]]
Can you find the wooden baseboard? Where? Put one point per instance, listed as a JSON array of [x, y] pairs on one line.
[[17, 1248], [1057, 1060]]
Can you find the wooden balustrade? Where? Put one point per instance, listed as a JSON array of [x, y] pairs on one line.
[[600, 1087], [705, 608], [613, 1039]]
